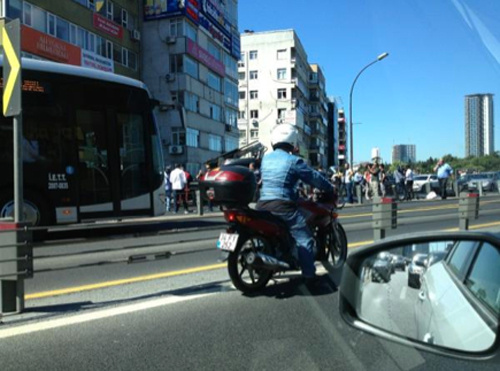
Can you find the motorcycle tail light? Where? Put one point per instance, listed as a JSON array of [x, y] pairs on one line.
[[230, 216]]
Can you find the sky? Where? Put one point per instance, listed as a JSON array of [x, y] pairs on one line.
[[439, 51]]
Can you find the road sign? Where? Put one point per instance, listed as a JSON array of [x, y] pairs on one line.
[[11, 44]]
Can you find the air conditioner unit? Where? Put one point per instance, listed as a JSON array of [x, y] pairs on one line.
[[170, 77], [171, 40], [175, 150], [136, 35]]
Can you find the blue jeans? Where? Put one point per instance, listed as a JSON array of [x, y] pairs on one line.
[[168, 199], [304, 240], [349, 189]]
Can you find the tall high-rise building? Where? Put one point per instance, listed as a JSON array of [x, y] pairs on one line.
[[278, 85], [406, 153], [190, 56], [479, 125]]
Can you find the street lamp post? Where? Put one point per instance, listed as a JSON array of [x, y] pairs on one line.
[[351, 149]]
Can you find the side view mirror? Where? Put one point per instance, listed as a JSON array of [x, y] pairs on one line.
[[450, 307]]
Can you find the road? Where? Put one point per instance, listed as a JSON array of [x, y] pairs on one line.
[[182, 313]]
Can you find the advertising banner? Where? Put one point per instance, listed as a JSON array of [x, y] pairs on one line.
[[97, 62], [107, 26], [43, 45], [205, 57]]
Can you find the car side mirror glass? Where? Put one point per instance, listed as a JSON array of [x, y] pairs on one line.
[[441, 293]]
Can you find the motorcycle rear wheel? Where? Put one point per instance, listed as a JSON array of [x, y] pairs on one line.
[[336, 246], [244, 277]]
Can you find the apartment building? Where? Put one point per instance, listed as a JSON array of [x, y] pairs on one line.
[[190, 56], [99, 34], [278, 85]]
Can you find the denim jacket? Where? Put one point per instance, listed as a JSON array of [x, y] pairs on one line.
[[281, 172]]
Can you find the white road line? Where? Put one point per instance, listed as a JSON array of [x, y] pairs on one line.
[[87, 317], [403, 293]]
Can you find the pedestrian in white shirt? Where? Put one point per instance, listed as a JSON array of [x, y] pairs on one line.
[[409, 184], [178, 180]]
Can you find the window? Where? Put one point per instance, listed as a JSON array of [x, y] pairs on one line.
[[484, 278], [231, 117], [254, 94], [124, 18], [254, 114], [62, 29], [242, 114], [281, 73], [214, 81], [175, 27], [191, 102], [214, 51], [281, 54], [82, 39], [254, 75], [281, 93], [132, 60], [190, 67], [73, 34], [230, 92], [254, 133], [117, 53], [27, 14], [241, 76], [215, 112], [191, 32], [252, 54], [37, 18], [192, 137], [281, 113], [178, 136], [215, 142], [109, 9], [51, 24], [460, 256], [230, 144], [91, 42], [175, 63], [242, 94], [243, 134]]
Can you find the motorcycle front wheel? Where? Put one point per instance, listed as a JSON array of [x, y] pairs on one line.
[[336, 245], [243, 276]]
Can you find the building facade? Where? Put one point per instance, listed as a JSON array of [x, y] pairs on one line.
[[406, 153], [99, 34], [277, 85], [191, 49], [479, 125]]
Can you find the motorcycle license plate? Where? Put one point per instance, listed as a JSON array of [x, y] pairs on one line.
[[227, 241]]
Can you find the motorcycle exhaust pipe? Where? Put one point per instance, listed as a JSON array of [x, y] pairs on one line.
[[263, 261]]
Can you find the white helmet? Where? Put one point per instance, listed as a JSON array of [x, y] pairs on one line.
[[284, 133]]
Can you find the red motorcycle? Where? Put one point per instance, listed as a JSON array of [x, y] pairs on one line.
[[258, 244]]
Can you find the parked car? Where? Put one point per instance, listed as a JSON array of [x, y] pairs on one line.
[[419, 182], [416, 269], [487, 180], [460, 298], [382, 268]]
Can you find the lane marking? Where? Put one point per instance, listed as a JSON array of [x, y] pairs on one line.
[[402, 296], [87, 317], [430, 208], [75, 289]]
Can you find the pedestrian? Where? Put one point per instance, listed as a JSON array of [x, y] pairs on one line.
[[187, 188], [349, 183], [199, 177], [374, 179], [399, 179], [178, 180], [168, 189], [383, 179], [367, 182], [409, 183], [444, 171]]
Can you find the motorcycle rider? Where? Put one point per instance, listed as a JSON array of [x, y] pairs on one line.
[[281, 171]]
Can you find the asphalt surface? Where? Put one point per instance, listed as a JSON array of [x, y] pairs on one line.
[[162, 313]]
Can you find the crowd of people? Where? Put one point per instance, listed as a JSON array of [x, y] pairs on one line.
[[372, 178]]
